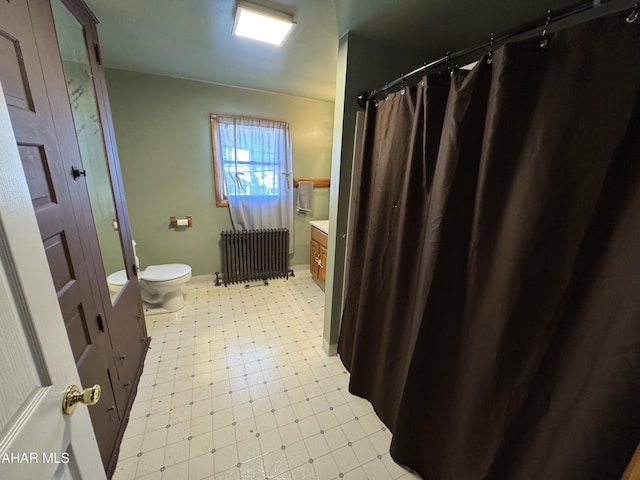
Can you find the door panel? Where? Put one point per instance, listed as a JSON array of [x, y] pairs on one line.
[[34, 162], [79, 337], [49, 176], [15, 90]]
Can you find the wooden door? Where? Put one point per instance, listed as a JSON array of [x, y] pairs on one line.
[[35, 93], [37, 440], [78, 40]]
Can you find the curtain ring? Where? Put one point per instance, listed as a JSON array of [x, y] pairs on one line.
[[449, 65], [543, 38], [402, 88], [490, 55], [633, 16]]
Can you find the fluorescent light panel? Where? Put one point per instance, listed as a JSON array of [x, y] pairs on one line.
[[261, 24]]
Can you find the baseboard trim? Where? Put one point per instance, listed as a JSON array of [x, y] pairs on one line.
[[201, 278], [331, 350]]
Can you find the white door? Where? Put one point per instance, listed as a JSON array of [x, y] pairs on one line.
[[37, 441]]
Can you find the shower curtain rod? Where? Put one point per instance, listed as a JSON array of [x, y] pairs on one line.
[[550, 18]]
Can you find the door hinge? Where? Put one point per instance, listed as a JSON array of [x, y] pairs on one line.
[[134, 267], [98, 53], [100, 323]]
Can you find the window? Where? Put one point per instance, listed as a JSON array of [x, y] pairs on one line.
[[250, 157]]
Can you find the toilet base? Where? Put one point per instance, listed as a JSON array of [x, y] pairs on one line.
[[151, 310], [171, 302]]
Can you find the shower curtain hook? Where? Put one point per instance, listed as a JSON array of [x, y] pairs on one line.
[[490, 56], [543, 39], [633, 16], [402, 88], [449, 66]]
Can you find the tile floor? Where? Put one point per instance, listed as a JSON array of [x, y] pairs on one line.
[[236, 386]]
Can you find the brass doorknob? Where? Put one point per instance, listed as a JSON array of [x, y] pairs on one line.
[[73, 395]]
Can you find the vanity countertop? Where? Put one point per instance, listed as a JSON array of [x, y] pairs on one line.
[[322, 225]]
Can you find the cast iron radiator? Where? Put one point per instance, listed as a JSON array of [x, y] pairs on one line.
[[249, 255]]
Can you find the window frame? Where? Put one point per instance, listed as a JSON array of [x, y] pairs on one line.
[[218, 167]]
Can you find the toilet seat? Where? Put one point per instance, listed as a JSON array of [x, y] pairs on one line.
[[164, 273], [153, 273], [119, 278]]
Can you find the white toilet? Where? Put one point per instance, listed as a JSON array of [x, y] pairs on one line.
[[160, 285]]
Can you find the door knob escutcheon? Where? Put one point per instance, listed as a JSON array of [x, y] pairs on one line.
[[73, 395]]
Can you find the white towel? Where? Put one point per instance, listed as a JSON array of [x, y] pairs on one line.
[[305, 196]]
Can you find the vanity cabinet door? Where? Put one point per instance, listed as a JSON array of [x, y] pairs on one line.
[[318, 255], [314, 251], [322, 266]]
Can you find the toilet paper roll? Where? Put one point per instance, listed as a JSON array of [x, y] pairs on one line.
[[183, 222]]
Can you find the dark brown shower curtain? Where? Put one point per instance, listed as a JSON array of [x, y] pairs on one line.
[[492, 313]]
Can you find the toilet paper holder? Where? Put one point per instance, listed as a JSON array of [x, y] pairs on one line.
[[181, 222]]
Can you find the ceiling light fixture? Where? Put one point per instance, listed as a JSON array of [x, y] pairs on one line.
[[262, 24]]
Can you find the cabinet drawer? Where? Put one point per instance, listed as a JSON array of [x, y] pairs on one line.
[[319, 236]]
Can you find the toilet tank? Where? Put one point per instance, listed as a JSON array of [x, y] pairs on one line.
[[135, 255]]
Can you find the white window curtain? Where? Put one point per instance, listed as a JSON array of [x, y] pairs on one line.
[[257, 172]]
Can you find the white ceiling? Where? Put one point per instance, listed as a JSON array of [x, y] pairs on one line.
[[192, 38]]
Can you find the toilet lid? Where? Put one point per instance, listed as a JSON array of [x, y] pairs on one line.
[[162, 273], [118, 278]]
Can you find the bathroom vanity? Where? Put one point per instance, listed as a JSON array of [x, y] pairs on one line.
[[318, 250]]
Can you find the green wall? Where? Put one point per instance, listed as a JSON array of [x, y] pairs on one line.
[[164, 143]]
